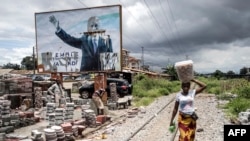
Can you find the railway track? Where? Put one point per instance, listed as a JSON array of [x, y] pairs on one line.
[[153, 117], [153, 123]]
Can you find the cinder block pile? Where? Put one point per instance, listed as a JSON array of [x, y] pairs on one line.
[[75, 130], [67, 128], [38, 97], [69, 112], [50, 115], [5, 111], [2, 136], [113, 92], [90, 117], [14, 120], [50, 134], [112, 102], [59, 132], [59, 116], [36, 135]]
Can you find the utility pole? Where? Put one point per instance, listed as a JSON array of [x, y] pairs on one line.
[[33, 90], [34, 62], [142, 58]]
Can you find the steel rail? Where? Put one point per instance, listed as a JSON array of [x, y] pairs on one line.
[[150, 119]]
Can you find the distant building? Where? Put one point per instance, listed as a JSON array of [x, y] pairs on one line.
[[129, 61]]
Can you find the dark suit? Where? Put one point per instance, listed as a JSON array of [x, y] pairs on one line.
[[90, 60]]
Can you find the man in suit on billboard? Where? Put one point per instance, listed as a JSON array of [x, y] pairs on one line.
[[91, 43]]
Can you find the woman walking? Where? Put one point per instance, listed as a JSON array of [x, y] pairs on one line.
[[185, 105]]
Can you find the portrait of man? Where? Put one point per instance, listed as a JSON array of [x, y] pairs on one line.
[[92, 43], [81, 43]]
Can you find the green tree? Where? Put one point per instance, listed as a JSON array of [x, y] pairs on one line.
[[243, 70], [11, 66], [230, 73], [170, 70], [28, 62], [218, 74]]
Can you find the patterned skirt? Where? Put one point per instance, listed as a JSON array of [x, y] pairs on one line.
[[187, 127]]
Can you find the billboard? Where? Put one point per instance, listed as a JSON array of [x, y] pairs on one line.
[[79, 40]]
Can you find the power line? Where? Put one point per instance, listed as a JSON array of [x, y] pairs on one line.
[[168, 22], [158, 25], [145, 29], [83, 3], [171, 13]]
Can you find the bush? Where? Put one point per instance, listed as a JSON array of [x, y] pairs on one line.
[[238, 105], [163, 91], [244, 92], [146, 88]]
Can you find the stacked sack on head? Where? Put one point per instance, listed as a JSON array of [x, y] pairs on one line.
[[184, 70]]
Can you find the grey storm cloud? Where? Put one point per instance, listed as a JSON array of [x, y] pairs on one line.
[[168, 30]]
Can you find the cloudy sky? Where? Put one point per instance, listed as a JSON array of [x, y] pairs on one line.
[[214, 34]]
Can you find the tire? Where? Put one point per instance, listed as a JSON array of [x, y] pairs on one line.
[[85, 94]]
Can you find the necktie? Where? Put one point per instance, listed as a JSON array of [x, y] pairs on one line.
[[95, 44]]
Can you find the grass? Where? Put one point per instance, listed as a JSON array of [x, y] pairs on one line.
[[146, 90]]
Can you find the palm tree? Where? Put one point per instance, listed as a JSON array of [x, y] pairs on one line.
[[170, 70]]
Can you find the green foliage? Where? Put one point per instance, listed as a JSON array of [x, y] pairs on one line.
[[218, 74], [238, 105], [11, 66], [244, 92], [170, 70], [164, 91], [145, 101], [144, 87], [214, 90], [28, 62], [213, 85], [139, 77], [244, 70], [146, 90]]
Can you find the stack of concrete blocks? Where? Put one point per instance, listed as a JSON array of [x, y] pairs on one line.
[[89, 116], [50, 113], [50, 134], [38, 97], [122, 102], [69, 112], [112, 102], [52, 119], [15, 119], [5, 110], [36, 135], [67, 128], [75, 130], [78, 102], [59, 132], [59, 116], [2, 136], [244, 117]]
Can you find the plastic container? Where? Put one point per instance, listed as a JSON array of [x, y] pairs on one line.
[[172, 128], [184, 70]]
